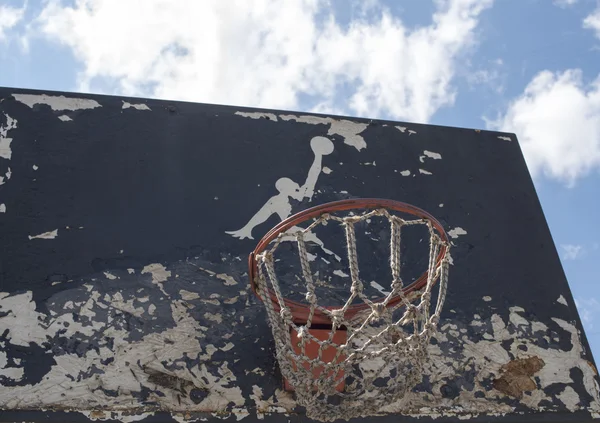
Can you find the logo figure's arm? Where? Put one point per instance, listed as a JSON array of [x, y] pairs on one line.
[[321, 146]]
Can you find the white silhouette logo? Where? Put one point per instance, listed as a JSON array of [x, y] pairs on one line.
[[280, 203]]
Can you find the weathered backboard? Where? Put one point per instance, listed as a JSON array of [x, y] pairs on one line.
[[125, 227]]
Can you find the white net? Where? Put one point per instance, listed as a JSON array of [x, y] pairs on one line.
[[372, 352]]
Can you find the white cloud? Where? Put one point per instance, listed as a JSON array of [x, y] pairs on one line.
[[268, 53], [557, 121], [588, 308], [492, 76], [572, 252], [592, 22], [564, 3], [9, 17]]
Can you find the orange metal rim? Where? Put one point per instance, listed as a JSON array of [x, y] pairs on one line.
[[300, 311]]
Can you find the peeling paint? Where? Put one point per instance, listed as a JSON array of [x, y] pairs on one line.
[[403, 130], [57, 103], [188, 338], [65, 118], [424, 172], [379, 288], [188, 296], [504, 138], [569, 398], [258, 115], [46, 235], [140, 106], [159, 274], [2, 208], [456, 232], [227, 280], [484, 358], [215, 317], [125, 417], [5, 151], [349, 130], [432, 155]]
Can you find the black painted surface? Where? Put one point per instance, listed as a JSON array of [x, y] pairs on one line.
[[165, 185]]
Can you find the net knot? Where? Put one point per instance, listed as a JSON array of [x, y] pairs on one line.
[[311, 297], [286, 314], [302, 332], [397, 285], [352, 219], [266, 256], [434, 320], [378, 310], [356, 288], [337, 317]]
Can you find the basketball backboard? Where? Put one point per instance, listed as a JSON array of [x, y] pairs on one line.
[[125, 227]]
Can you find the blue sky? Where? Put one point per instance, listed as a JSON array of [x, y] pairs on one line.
[[530, 66]]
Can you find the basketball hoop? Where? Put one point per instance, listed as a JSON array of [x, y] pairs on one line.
[[321, 348]]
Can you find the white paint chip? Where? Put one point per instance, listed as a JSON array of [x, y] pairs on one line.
[[258, 115], [110, 276], [562, 300], [487, 299], [5, 150], [405, 173], [424, 172], [35, 167], [159, 274], [227, 280], [347, 129], [130, 271], [504, 138], [65, 118], [456, 232], [379, 288], [569, 398], [340, 273], [2, 208], [441, 205], [217, 318], [140, 106], [326, 170], [57, 103], [227, 347], [188, 296], [46, 235], [432, 155]]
